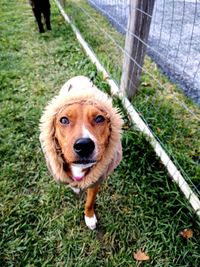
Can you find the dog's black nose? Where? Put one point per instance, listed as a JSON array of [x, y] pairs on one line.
[[84, 147]]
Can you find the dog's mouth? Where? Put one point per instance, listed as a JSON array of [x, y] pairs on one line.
[[84, 162], [80, 168]]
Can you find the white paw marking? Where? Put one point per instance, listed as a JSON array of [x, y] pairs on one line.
[[76, 190], [91, 222]]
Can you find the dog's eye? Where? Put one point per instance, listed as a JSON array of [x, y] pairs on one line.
[[64, 120], [99, 119]]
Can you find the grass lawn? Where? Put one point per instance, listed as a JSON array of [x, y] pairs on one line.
[[41, 222]]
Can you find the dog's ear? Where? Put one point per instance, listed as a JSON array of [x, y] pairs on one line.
[[57, 146], [49, 143]]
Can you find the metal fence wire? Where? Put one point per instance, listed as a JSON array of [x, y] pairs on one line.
[[173, 39], [170, 111]]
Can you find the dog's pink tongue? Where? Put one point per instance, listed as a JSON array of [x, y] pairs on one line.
[[77, 173], [78, 178]]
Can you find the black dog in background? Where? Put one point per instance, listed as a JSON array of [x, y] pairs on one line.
[[41, 7]]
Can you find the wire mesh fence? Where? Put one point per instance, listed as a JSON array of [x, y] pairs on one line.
[[173, 40], [173, 45]]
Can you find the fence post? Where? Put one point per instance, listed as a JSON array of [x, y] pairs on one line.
[[63, 3], [136, 37]]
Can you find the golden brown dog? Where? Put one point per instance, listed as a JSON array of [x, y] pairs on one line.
[[80, 137]]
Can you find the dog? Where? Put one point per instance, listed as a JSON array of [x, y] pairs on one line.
[[80, 135], [39, 8]]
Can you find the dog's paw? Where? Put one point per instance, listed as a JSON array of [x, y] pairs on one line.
[[91, 222], [76, 190]]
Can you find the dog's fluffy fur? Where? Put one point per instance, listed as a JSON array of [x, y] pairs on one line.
[[80, 90]]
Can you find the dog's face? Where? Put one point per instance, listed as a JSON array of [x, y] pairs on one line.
[[82, 131]]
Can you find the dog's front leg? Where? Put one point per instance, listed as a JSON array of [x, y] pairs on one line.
[[90, 217]]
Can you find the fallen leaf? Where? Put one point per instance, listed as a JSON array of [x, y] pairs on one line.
[[186, 233], [145, 84], [105, 77], [140, 256], [158, 130], [126, 126]]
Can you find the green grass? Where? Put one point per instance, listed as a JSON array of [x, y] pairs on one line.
[[41, 222], [172, 124]]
